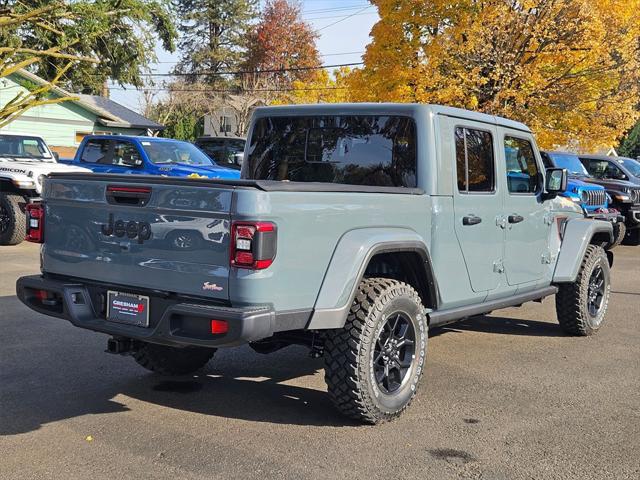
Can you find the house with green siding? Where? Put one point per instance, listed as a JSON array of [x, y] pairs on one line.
[[64, 125]]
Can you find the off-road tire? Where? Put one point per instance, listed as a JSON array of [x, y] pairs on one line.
[[16, 230], [572, 298], [619, 232], [172, 360], [349, 352]]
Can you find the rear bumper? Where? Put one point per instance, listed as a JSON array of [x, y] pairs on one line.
[[172, 321]]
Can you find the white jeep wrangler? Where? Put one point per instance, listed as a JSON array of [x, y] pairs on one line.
[[24, 161]]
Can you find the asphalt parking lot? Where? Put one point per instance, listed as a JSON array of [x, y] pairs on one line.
[[505, 396]]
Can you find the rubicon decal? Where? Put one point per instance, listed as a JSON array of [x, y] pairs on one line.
[[130, 229]]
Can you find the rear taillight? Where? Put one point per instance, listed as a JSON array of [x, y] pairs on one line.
[[35, 222], [253, 244]]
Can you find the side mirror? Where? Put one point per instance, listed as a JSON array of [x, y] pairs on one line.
[[56, 155], [556, 182]]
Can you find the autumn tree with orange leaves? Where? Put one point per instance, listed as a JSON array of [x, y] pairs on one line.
[[570, 69], [283, 46]]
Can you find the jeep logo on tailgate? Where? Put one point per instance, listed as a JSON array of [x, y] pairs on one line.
[[120, 228]]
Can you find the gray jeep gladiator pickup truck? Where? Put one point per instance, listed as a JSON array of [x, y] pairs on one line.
[[353, 230]]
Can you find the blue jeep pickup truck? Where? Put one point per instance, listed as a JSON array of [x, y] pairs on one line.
[[148, 156], [354, 230]]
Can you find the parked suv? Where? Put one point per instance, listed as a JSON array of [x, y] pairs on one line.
[[621, 177], [225, 151], [355, 229], [582, 189]]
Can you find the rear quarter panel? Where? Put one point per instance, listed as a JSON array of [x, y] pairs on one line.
[[310, 225]]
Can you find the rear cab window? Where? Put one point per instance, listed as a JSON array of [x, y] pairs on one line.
[[372, 150], [96, 151]]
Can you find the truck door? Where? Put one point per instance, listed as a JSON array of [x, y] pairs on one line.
[[525, 219], [478, 201]]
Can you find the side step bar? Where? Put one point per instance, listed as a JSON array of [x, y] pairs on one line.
[[442, 317]]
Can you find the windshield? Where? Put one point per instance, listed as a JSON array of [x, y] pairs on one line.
[[351, 149], [632, 165], [17, 146], [167, 152], [571, 162]]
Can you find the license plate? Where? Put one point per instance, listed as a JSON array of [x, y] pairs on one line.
[[128, 308]]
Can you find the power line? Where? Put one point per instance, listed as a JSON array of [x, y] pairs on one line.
[[338, 16], [212, 90], [352, 6], [344, 18], [333, 54], [248, 72]]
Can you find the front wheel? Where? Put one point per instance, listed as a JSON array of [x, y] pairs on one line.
[[581, 306], [13, 221], [374, 364]]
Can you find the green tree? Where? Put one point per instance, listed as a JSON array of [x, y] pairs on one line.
[[213, 36], [15, 54], [122, 34], [630, 143]]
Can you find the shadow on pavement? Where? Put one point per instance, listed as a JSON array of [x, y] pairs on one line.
[[51, 371], [504, 326]]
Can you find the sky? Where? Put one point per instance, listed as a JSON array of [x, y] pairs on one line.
[[343, 27]]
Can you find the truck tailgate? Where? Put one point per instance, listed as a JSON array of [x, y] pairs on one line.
[[163, 234]]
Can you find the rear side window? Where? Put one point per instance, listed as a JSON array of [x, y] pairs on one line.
[[350, 149], [523, 175], [475, 163], [96, 151]]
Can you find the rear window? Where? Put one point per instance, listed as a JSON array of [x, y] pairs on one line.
[[354, 150]]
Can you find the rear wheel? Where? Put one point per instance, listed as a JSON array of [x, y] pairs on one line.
[[13, 226], [374, 364], [172, 360], [581, 306]]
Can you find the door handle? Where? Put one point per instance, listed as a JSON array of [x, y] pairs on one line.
[[471, 220], [515, 218]]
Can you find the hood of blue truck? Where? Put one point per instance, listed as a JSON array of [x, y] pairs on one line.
[[184, 170]]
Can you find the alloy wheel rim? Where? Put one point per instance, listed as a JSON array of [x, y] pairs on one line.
[[394, 352], [184, 241], [596, 292]]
